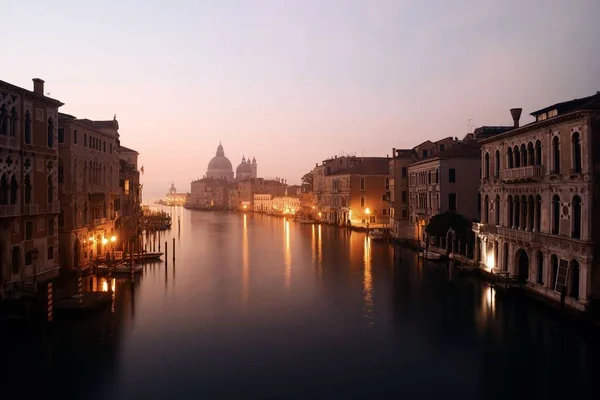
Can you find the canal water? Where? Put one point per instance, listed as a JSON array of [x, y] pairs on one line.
[[261, 307]]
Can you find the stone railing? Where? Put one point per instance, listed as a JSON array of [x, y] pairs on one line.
[[10, 210], [519, 235], [483, 228], [9, 141], [31, 209], [528, 173]]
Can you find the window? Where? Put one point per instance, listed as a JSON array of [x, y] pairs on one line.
[[555, 214], [576, 147], [452, 201], [85, 141], [75, 136], [51, 227], [362, 201], [497, 210], [486, 209], [383, 197], [404, 172], [384, 211], [442, 148], [424, 153], [429, 177], [50, 133], [50, 252], [451, 175], [61, 135], [538, 153], [387, 183], [509, 157], [28, 230], [104, 145], [556, 154], [27, 128], [3, 121], [404, 214], [552, 113], [110, 148], [362, 183], [497, 165], [28, 257], [576, 206], [486, 166], [404, 196], [16, 259], [517, 157]]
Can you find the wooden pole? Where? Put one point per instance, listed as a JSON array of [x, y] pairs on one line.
[[166, 253], [173, 249], [80, 287], [50, 313]]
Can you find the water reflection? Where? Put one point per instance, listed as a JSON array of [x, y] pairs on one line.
[[368, 283], [288, 253], [245, 263]]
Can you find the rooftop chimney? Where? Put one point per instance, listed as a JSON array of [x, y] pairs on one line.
[[516, 115], [38, 86]]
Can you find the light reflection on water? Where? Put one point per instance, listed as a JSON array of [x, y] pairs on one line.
[[368, 282]]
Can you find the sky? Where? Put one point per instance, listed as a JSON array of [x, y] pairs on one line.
[[293, 82]]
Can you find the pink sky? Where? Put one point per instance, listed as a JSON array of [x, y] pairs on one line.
[[294, 82]]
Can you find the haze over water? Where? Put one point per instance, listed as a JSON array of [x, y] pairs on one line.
[[258, 306]]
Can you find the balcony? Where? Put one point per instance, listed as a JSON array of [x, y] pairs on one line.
[[31, 209], [9, 141], [519, 235], [53, 208], [10, 210], [529, 173], [485, 229]]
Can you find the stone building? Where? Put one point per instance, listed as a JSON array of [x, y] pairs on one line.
[[446, 182], [246, 169], [130, 196], [219, 167], [209, 193], [539, 187], [29, 174], [398, 200], [89, 188]]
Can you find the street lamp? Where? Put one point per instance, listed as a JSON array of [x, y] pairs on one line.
[[368, 212], [34, 256]]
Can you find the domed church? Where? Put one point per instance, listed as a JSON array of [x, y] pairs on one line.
[[246, 169], [220, 167]]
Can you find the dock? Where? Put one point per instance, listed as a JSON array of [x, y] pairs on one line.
[[82, 304]]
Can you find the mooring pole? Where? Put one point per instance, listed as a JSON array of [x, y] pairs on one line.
[[166, 254], [173, 249]]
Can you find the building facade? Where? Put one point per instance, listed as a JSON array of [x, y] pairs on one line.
[[539, 192], [400, 225], [89, 188], [29, 175]]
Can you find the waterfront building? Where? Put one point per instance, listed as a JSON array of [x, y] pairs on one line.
[[398, 193], [174, 198], [130, 196], [209, 193], [444, 182], [262, 202], [285, 205], [539, 186], [88, 176], [29, 175]]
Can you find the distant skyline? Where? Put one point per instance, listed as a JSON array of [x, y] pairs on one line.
[[294, 82]]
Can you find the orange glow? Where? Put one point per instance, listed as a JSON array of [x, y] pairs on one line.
[[288, 255], [368, 283], [245, 263]]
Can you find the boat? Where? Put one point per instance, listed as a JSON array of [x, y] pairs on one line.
[[122, 268], [430, 255], [307, 221], [376, 234], [142, 256]]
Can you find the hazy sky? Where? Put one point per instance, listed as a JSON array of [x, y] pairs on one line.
[[293, 82]]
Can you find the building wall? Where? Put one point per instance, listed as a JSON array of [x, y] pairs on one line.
[[503, 238], [399, 205], [375, 199], [466, 186]]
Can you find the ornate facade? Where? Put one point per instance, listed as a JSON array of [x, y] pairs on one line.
[[29, 175], [539, 221]]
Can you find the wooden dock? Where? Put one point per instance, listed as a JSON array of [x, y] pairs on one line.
[[84, 304]]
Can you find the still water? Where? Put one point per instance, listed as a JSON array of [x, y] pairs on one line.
[[261, 307]]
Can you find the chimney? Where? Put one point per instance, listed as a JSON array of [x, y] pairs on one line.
[[38, 86], [516, 116], [393, 152]]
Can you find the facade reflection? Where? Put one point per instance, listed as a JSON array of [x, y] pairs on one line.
[[288, 253], [368, 282], [245, 263]]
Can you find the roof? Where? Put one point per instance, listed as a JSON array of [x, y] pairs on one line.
[[367, 166], [460, 150], [25, 92], [584, 103], [124, 149], [111, 124]]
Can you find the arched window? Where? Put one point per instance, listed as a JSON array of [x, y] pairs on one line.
[[50, 133], [50, 190], [3, 120], [556, 154], [27, 127], [28, 189], [429, 177], [540, 268], [13, 122], [4, 190], [530, 154], [497, 165], [437, 175], [555, 214], [576, 146], [524, 220], [517, 212], [75, 215], [517, 157], [523, 155], [538, 213], [574, 279], [14, 190], [576, 207], [509, 157], [510, 214], [538, 153], [497, 210], [486, 209], [486, 166], [362, 183]]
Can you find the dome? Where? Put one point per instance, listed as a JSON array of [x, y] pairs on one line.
[[220, 162], [243, 168]]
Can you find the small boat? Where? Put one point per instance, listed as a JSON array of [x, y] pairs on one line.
[[123, 268], [148, 255], [376, 234], [430, 255]]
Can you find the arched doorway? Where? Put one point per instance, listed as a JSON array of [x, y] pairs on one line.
[[522, 260], [76, 254]]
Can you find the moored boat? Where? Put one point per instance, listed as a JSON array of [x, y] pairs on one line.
[[376, 234], [430, 255]]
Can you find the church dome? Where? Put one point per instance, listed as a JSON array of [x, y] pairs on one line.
[[220, 167], [220, 162], [243, 168]]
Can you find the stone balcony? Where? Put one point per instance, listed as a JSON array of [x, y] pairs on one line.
[[31, 209], [519, 234], [10, 210], [529, 173], [485, 229]]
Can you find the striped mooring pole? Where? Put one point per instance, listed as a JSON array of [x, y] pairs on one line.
[[50, 314], [131, 264], [80, 288]]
